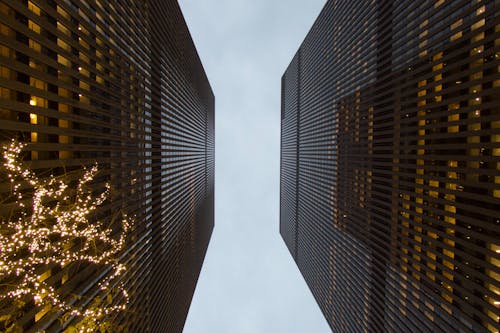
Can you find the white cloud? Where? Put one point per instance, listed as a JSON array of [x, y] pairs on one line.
[[249, 282]]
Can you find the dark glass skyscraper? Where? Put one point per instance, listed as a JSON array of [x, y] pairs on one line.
[[118, 83], [390, 165]]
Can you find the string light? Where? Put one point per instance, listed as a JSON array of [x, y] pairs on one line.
[[55, 230]]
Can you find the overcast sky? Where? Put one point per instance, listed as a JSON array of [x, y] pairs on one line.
[[249, 282]]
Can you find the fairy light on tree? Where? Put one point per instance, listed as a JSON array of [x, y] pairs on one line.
[[51, 228]]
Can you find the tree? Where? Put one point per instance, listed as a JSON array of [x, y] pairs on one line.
[[51, 228]]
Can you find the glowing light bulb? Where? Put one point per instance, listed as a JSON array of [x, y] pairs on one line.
[[24, 250]]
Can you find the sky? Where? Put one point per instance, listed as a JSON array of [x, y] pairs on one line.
[[249, 281]]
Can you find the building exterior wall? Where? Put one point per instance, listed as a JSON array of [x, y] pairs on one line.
[[398, 163], [118, 83], [289, 149]]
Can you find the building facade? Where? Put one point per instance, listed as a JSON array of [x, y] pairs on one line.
[[118, 83], [390, 165]]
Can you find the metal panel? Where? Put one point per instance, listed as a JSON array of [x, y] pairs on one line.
[[118, 83], [399, 164]]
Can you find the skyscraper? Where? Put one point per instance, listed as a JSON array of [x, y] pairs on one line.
[[390, 165], [118, 83]]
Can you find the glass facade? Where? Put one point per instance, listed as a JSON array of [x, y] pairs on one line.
[[390, 165], [118, 83]]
